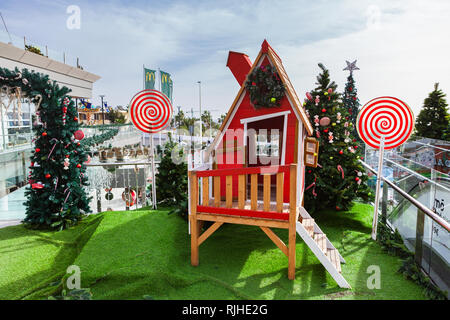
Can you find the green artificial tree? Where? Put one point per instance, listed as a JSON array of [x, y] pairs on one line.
[[339, 177], [351, 101], [55, 196], [171, 179], [433, 120]]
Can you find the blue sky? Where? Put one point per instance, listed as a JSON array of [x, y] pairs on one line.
[[402, 47]]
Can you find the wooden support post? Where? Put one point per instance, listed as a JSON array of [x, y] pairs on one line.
[[241, 191], [266, 192], [229, 191], [278, 242], [205, 191], [217, 191], [292, 219], [280, 184], [254, 191], [209, 232], [193, 217]]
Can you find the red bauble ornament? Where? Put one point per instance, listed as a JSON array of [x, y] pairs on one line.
[[324, 110], [48, 176], [309, 171], [64, 109], [37, 150], [356, 147], [78, 165], [356, 179], [354, 98], [44, 134], [350, 89], [337, 208], [354, 140], [341, 152], [37, 185], [67, 156], [79, 135], [75, 119], [78, 144], [325, 130]]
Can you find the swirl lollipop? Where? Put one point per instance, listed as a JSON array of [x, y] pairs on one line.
[[386, 117], [150, 111], [384, 123]]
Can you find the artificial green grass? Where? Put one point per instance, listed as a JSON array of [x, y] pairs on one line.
[[32, 259], [136, 253]]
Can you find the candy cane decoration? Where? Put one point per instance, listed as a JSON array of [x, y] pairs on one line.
[[384, 123]]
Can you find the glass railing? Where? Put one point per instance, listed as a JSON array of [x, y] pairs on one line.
[[415, 199]]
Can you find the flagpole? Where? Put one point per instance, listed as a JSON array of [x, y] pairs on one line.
[[159, 71], [143, 78]]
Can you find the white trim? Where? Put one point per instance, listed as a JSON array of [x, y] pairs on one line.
[[266, 116], [283, 152], [295, 111]]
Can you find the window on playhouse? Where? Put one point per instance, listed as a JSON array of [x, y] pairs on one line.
[[268, 143]]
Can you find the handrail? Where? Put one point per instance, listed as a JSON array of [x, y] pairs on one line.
[[417, 174], [239, 171], [416, 203]]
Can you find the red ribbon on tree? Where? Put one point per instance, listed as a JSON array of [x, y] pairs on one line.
[[341, 170]]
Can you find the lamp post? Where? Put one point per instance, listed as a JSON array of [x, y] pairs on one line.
[[103, 113], [200, 105]]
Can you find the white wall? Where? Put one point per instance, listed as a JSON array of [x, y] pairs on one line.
[[79, 81]]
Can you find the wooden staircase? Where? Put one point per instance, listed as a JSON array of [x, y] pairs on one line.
[[322, 248]]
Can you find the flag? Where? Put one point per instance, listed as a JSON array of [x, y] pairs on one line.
[[106, 107], [149, 78], [86, 104], [166, 84]]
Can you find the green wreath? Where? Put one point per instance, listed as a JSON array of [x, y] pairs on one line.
[[265, 87]]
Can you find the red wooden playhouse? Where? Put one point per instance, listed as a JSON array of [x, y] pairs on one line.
[[254, 169]]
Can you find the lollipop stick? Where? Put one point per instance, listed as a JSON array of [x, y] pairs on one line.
[[377, 192], [152, 158]]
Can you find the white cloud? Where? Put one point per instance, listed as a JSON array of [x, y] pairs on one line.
[[401, 55]]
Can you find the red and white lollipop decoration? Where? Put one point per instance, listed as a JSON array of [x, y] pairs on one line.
[[150, 111], [386, 117], [384, 123]]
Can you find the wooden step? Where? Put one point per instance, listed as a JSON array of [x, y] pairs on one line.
[[321, 240], [309, 226], [333, 256]]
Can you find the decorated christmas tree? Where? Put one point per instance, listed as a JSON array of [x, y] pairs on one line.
[[351, 101], [339, 177], [433, 120], [55, 197]]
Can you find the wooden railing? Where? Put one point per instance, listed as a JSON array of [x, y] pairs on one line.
[[207, 202]]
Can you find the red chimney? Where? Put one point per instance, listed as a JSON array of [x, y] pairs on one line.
[[239, 64]]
